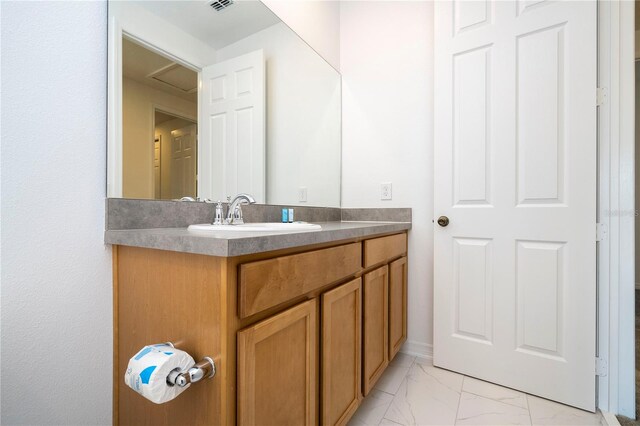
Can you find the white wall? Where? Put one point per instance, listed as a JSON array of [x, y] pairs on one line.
[[316, 21], [302, 119], [56, 272], [387, 135]]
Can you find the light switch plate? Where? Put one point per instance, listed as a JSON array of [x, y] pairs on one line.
[[385, 191], [302, 194]]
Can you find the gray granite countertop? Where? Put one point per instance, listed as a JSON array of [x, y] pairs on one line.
[[228, 244]]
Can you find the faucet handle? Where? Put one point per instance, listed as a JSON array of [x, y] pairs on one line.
[[219, 214], [237, 215]]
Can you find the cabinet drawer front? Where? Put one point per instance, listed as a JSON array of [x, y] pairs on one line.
[[267, 283], [381, 249]]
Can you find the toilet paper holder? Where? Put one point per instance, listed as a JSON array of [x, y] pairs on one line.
[[204, 369]]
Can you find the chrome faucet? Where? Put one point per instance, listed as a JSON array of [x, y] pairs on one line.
[[234, 214]]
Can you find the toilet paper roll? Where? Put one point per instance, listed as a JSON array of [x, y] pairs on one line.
[[148, 370]]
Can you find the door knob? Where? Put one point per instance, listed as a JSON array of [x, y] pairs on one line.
[[443, 221]]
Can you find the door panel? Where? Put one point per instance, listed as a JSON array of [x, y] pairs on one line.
[[473, 285], [397, 305], [540, 269], [539, 105], [515, 172], [341, 352], [376, 326], [471, 142], [277, 369]]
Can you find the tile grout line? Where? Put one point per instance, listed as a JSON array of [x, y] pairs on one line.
[[384, 416], [494, 399], [455, 421], [526, 398]]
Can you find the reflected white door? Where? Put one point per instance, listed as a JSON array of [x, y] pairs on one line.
[[183, 162], [157, 171], [232, 128], [515, 173]]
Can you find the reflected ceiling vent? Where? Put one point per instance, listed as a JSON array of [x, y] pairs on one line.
[[220, 5]]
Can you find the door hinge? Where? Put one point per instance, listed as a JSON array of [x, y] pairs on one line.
[[601, 95], [601, 231], [602, 367]]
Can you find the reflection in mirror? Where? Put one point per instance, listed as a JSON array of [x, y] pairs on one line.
[[207, 104], [159, 103]]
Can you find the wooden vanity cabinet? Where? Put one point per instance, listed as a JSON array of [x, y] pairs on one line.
[[298, 335]]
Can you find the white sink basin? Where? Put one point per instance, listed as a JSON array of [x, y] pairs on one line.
[[257, 227]]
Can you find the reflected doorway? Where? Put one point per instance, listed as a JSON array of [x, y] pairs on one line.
[[175, 156], [159, 124]]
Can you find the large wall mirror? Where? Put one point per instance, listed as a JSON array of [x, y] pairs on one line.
[[208, 99]]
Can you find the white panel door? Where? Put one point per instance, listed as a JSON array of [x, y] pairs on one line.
[[515, 173], [183, 162], [232, 128], [157, 168]]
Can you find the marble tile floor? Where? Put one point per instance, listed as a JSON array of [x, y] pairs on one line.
[[624, 421], [414, 392]]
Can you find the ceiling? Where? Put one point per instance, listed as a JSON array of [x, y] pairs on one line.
[[217, 29], [152, 69]]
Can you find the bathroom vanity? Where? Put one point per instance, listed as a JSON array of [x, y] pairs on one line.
[[299, 334], [300, 324]]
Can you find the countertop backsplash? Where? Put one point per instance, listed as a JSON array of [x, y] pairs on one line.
[[147, 214]]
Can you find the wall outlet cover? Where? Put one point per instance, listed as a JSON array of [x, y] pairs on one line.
[[385, 191]]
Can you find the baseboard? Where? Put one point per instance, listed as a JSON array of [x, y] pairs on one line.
[[609, 418], [413, 348]]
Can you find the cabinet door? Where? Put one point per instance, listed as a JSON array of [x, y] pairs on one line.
[[341, 356], [397, 305], [277, 369], [376, 326]]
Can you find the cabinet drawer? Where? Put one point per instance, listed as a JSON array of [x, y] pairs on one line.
[[267, 283], [381, 249]]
